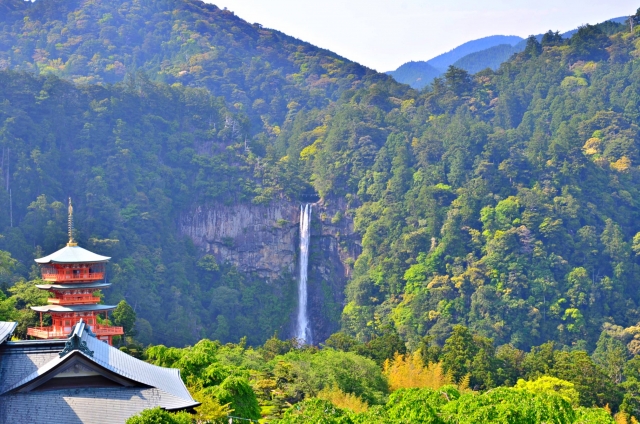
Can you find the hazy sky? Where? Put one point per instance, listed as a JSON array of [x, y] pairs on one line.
[[383, 34]]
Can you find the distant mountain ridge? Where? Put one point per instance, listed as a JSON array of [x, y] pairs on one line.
[[420, 74], [417, 74], [443, 61], [472, 56]]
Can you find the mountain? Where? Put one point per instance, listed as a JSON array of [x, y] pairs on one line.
[[491, 58], [156, 116], [416, 74], [185, 42], [475, 56], [443, 61], [420, 74], [504, 201], [487, 227]]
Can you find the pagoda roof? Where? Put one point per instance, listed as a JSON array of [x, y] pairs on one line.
[[73, 308], [72, 255], [27, 371], [73, 286], [6, 329]]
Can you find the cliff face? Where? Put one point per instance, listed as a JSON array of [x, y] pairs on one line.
[[334, 246], [255, 238], [264, 240]]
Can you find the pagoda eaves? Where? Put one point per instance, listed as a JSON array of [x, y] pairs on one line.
[[75, 274]]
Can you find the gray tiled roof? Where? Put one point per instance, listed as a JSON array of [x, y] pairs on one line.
[[72, 255], [20, 359], [23, 363], [89, 405], [167, 379], [73, 308], [6, 329]]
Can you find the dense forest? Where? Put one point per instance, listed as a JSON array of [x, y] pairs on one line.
[[496, 212]]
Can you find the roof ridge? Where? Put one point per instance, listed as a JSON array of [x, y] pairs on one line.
[[83, 341]]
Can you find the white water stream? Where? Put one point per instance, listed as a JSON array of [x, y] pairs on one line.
[[303, 331]]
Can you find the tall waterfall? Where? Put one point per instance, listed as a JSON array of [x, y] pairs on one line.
[[303, 331]]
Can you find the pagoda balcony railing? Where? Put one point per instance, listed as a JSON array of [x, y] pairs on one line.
[[107, 330], [60, 333], [73, 300], [81, 276]]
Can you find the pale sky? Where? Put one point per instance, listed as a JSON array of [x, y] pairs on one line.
[[384, 34]]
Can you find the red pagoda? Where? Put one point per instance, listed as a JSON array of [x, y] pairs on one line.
[[74, 275]]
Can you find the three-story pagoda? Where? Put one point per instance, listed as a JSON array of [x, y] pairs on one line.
[[74, 275]]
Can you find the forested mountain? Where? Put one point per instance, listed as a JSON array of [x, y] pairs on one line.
[[416, 74], [420, 74], [504, 201], [148, 150], [443, 61], [259, 71], [487, 227], [475, 56], [490, 58]]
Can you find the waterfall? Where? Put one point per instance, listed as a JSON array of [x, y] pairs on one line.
[[303, 331]]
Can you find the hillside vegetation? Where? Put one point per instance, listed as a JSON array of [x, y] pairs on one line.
[[506, 201], [478, 55], [140, 111], [497, 212], [259, 71]]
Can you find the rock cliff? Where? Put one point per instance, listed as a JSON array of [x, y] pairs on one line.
[[264, 240]]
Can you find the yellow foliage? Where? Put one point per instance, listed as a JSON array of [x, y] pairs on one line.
[[592, 146], [407, 104], [320, 131], [621, 165], [463, 385], [407, 371], [589, 67], [310, 151], [343, 400], [624, 418]]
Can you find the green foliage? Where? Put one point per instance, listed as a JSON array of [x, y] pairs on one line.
[[418, 405], [315, 411], [24, 295], [124, 316], [458, 80], [548, 384], [308, 372], [589, 43], [503, 405], [241, 398], [503, 201], [610, 354], [533, 47], [160, 416]]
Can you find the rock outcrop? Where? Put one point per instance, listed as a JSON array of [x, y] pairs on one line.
[[255, 238], [264, 240]]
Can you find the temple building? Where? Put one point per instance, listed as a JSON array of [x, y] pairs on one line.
[[80, 379], [74, 275], [72, 374]]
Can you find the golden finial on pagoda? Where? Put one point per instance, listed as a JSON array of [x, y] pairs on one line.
[[72, 242]]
